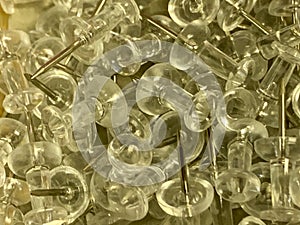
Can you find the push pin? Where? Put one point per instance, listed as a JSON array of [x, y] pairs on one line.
[[118, 11], [181, 197]]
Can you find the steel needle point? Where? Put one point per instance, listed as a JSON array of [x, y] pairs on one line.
[[60, 56], [183, 172]]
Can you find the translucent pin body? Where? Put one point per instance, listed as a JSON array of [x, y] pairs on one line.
[[125, 202], [98, 27], [186, 11], [76, 200]]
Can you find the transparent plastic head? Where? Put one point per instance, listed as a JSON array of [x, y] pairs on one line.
[[54, 126], [128, 202], [61, 83], [127, 152], [172, 200], [240, 104], [251, 220], [29, 155], [192, 37], [8, 6], [238, 183], [15, 42], [76, 200], [148, 91], [9, 214], [283, 8], [228, 16], [12, 134], [49, 216], [165, 128], [269, 148], [244, 43], [17, 191], [185, 11]]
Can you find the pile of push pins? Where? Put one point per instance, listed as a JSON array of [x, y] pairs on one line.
[[182, 112]]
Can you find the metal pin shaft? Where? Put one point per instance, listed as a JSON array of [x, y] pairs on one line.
[[99, 7], [172, 34], [167, 141], [282, 119], [68, 70], [255, 22], [250, 18], [295, 17], [30, 126], [169, 32], [60, 56], [295, 14], [50, 192], [160, 26], [211, 152], [92, 162], [184, 171]]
